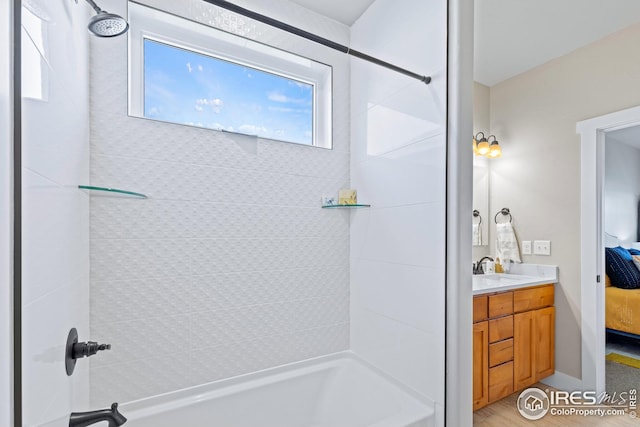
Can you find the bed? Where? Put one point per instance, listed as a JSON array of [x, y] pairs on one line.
[[622, 310]]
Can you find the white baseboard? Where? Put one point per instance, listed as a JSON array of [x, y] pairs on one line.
[[563, 382]]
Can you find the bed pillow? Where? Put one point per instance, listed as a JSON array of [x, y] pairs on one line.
[[621, 268]]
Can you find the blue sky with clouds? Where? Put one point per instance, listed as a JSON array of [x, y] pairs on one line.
[[186, 87]]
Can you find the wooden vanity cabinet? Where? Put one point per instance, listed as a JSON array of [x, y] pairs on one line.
[[513, 341]]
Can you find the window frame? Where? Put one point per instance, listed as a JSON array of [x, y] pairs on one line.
[[163, 27]]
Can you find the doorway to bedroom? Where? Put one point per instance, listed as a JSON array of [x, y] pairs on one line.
[[621, 208], [594, 238]]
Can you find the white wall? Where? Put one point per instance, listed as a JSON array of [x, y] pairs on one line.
[[621, 190], [398, 158], [6, 214], [230, 266], [55, 218], [534, 116]]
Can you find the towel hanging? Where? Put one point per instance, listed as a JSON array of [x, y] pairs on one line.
[[477, 235], [477, 229], [507, 248]]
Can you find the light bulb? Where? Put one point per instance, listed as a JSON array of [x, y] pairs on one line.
[[494, 150], [483, 147]]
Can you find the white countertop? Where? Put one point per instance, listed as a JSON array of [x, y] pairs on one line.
[[519, 276]]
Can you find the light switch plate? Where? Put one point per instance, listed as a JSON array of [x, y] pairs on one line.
[[526, 247], [542, 247]]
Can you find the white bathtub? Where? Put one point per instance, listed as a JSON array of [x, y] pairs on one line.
[[334, 391]]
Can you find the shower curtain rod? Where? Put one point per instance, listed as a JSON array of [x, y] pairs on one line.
[[315, 38]]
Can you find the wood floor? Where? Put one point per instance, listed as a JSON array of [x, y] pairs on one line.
[[504, 413]]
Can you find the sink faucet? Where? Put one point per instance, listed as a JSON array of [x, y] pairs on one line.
[[477, 267], [112, 416]]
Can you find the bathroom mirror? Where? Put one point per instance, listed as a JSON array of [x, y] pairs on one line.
[[481, 197]]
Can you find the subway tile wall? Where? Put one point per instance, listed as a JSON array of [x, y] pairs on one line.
[[230, 266]]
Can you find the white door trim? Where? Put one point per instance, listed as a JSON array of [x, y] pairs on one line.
[[592, 133], [459, 321]]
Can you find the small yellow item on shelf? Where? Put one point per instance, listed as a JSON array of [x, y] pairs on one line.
[[498, 266], [347, 197]]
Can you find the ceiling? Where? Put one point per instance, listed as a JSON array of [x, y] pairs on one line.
[[513, 36]]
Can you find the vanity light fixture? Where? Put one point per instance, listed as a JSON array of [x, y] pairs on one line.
[[494, 148], [483, 146]]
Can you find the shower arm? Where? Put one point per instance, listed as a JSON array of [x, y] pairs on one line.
[[94, 6]]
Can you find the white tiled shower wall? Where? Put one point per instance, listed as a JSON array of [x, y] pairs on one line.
[[230, 266], [398, 158], [55, 217]]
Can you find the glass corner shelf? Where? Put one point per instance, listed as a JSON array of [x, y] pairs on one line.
[[114, 191], [356, 206]]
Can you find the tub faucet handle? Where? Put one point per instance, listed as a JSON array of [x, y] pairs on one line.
[[75, 350], [86, 349]]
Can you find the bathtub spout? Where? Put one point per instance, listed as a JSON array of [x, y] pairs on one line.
[[112, 416]]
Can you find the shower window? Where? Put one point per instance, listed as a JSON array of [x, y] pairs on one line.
[[196, 75]]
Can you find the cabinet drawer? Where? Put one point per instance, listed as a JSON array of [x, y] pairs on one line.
[[479, 308], [500, 352], [532, 298], [500, 304], [500, 381], [500, 329]]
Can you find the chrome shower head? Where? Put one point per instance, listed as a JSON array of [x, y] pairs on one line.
[[106, 24]]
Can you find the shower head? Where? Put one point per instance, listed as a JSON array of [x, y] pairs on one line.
[[106, 24]]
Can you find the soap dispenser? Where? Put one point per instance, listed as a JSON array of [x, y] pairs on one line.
[[498, 266]]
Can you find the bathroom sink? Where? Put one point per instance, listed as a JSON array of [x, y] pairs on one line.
[[520, 275], [494, 282]]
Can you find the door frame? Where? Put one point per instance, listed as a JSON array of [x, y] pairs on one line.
[[592, 135], [458, 409]]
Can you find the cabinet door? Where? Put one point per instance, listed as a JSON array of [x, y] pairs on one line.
[[480, 364], [544, 342], [500, 381], [524, 373]]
